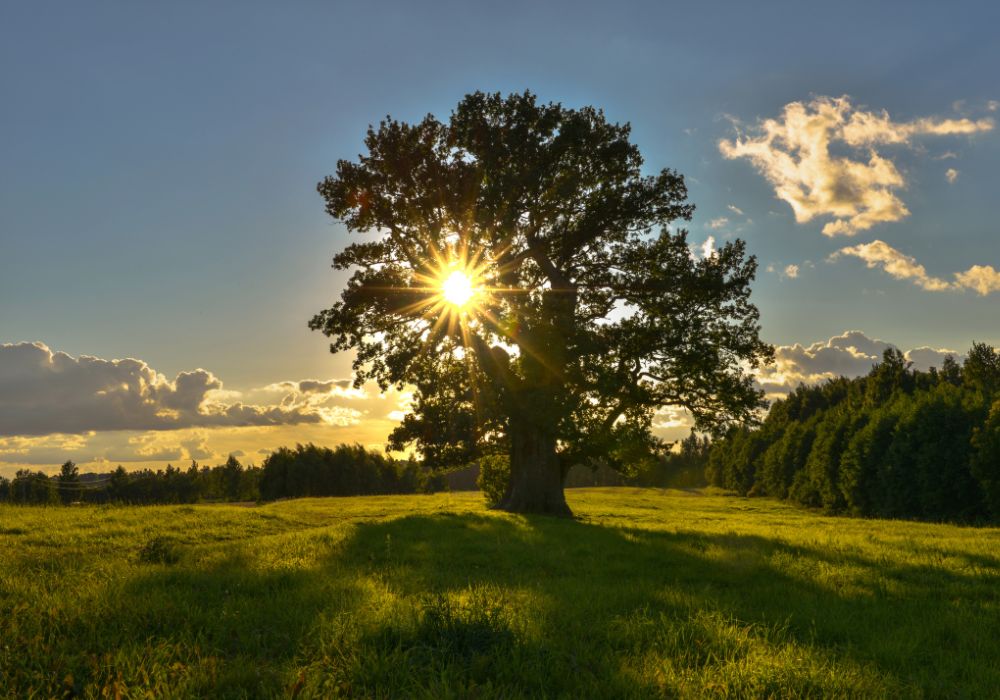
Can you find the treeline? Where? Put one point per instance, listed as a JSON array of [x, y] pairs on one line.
[[226, 482], [897, 443], [347, 470], [306, 470]]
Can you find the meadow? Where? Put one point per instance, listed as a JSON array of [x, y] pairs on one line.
[[647, 593]]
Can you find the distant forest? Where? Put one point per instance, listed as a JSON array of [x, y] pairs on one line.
[[897, 443], [309, 470]]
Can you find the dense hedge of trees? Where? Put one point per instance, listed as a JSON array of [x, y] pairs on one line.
[[896, 443], [226, 482], [306, 470], [347, 470]]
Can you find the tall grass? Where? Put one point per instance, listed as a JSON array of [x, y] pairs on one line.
[[646, 593]]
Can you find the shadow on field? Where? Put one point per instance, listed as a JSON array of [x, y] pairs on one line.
[[459, 605]]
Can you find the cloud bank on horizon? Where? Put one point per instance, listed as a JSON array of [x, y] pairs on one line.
[[44, 392], [189, 417], [850, 354]]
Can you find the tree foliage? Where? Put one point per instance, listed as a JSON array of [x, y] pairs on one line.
[[347, 470]]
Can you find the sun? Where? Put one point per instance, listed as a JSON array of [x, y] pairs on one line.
[[457, 289]]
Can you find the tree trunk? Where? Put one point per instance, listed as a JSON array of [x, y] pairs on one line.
[[536, 479]]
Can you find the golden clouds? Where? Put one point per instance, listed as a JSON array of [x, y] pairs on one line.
[[821, 159], [44, 392], [99, 413], [881, 254], [982, 279]]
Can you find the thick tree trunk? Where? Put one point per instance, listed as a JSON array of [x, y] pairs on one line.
[[536, 478]]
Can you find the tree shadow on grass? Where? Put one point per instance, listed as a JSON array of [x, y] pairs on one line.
[[596, 593], [497, 606]]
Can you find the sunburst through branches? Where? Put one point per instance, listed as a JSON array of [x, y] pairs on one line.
[[458, 289]]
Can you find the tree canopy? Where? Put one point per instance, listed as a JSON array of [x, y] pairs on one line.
[[523, 273]]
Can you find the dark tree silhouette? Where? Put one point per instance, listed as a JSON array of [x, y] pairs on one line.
[[69, 482], [588, 311]]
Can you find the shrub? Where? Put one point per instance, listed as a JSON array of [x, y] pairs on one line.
[[494, 476]]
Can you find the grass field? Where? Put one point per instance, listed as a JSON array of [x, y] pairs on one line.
[[647, 593]]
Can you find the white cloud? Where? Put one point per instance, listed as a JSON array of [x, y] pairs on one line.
[[850, 354], [736, 210], [44, 392], [791, 271], [718, 223], [983, 279], [881, 254], [796, 153], [708, 247], [993, 105], [951, 175]]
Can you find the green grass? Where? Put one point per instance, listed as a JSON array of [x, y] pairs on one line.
[[647, 593]]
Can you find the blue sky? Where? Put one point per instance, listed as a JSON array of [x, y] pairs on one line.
[[158, 167]]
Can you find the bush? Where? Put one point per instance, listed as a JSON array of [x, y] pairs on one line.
[[494, 476]]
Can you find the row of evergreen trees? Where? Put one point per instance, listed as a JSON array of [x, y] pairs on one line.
[[347, 470], [226, 482], [896, 443], [306, 470]]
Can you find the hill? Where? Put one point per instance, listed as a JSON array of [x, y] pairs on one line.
[[645, 593]]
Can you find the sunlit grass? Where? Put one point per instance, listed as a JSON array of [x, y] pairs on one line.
[[647, 593]]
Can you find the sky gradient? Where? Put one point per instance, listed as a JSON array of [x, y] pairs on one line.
[[158, 171]]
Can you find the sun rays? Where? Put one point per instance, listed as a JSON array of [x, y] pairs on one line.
[[455, 290]]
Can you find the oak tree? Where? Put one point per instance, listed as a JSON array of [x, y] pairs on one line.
[[519, 268]]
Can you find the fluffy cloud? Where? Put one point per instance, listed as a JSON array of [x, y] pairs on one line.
[[44, 392], [851, 354], [982, 279], [881, 254], [791, 271], [802, 155], [718, 223], [951, 175]]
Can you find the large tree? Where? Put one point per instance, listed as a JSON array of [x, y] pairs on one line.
[[519, 269]]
